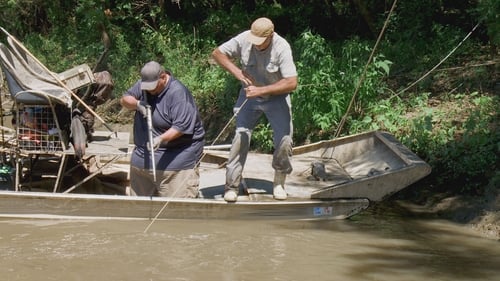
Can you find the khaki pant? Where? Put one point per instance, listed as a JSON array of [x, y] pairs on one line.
[[181, 184]]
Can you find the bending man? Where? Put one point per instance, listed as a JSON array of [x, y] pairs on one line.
[[177, 131]]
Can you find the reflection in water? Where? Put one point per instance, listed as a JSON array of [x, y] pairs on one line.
[[367, 247]]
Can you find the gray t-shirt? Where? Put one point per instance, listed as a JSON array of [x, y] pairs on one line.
[[265, 67], [175, 108]]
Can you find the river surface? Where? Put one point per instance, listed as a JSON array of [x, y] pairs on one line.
[[369, 246]]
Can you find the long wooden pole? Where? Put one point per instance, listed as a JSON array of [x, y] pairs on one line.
[[61, 83]]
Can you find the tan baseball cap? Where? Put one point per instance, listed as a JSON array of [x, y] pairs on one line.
[[261, 28]]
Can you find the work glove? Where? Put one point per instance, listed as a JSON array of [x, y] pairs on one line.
[[141, 107], [157, 141]]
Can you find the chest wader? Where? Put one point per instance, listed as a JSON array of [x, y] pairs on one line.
[[236, 162], [282, 166]]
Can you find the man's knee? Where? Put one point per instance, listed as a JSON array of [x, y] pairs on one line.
[[282, 155], [242, 137]]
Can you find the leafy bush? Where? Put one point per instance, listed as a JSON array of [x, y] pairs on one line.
[[461, 143], [328, 77], [473, 151]]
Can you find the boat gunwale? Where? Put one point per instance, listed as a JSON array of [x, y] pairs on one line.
[[167, 200]]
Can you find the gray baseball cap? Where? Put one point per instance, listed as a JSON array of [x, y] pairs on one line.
[[150, 73]]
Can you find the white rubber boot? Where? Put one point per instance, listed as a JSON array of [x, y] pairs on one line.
[[231, 195], [279, 192]]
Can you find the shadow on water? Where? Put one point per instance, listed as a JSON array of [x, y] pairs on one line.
[[395, 240], [381, 243]]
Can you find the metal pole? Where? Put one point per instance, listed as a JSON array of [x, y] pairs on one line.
[[150, 137]]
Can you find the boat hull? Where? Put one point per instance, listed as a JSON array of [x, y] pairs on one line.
[[84, 206]]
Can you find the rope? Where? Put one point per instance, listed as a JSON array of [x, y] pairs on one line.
[[363, 74], [437, 65], [1, 103]]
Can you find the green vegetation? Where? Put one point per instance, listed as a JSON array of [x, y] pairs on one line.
[[450, 118]]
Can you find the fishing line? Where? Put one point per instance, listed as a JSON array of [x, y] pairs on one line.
[[363, 74], [437, 65], [196, 165]]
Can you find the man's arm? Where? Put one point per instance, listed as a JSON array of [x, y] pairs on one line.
[[170, 135], [285, 85], [129, 102], [226, 62]]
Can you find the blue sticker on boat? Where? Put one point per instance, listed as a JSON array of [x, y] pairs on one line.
[[323, 211]]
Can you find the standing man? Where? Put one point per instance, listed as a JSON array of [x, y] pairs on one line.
[[268, 75], [177, 131]]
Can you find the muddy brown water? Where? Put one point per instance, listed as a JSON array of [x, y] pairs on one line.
[[369, 246]]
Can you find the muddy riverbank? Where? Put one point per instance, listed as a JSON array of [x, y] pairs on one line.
[[479, 212]]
